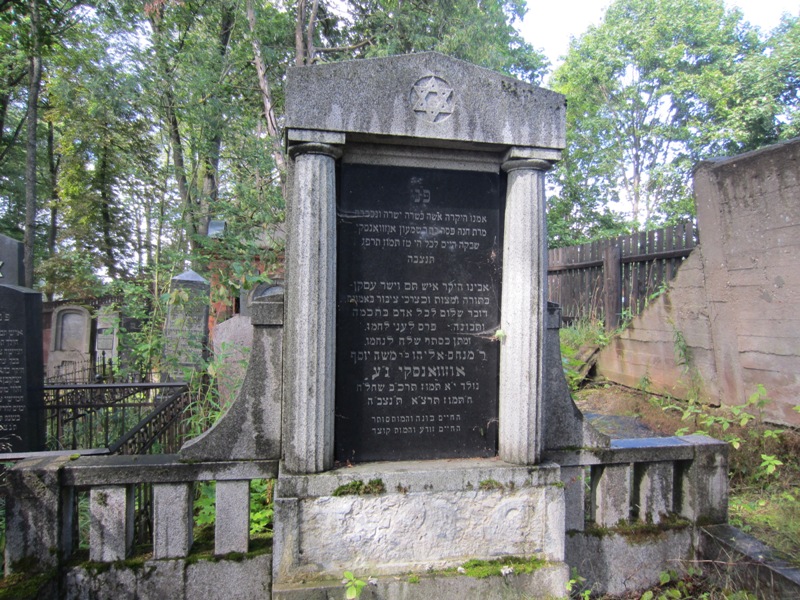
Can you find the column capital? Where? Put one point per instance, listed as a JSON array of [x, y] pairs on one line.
[[537, 159], [315, 148]]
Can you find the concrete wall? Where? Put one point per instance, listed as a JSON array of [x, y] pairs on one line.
[[735, 300]]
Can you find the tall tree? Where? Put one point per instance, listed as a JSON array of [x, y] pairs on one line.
[[647, 91]]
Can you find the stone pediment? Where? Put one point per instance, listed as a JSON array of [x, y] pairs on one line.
[[428, 96]]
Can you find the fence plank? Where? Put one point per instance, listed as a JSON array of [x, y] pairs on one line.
[[579, 278]]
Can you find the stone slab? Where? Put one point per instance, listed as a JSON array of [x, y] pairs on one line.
[[12, 269], [422, 520], [623, 565], [417, 305], [545, 583], [428, 96], [22, 425], [248, 578]]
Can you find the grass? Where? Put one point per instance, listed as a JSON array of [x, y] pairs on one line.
[[764, 505]]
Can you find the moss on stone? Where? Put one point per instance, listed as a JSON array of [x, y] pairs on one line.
[[490, 484], [359, 488], [24, 586], [480, 569]]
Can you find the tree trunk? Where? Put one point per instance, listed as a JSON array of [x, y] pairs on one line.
[[266, 97], [34, 85]]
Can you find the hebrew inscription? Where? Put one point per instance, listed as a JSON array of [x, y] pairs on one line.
[[417, 309]]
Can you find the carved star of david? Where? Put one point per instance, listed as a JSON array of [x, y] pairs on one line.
[[432, 99]]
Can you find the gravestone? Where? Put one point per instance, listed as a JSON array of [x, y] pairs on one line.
[[414, 356], [21, 374], [106, 338], [70, 344], [11, 265], [186, 329]]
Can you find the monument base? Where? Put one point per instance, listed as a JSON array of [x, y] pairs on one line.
[[546, 582], [411, 525]]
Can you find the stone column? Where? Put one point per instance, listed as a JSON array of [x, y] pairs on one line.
[[309, 364], [524, 305]]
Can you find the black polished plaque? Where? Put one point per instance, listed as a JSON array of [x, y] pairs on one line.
[[22, 425], [418, 296]]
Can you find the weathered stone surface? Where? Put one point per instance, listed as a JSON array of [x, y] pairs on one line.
[[34, 513], [186, 329], [160, 468], [11, 266], [733, 299], [111, 522], [618, 565], [544, 583], [523, 311], [173, 506], [433, 519], [564, 426], [655, 491], [428, 96], [705, 482], [232, 523], [230, 343], [70, 342], [611, 494], [246, 578], [310, 311], [251, 427], [736, 560]]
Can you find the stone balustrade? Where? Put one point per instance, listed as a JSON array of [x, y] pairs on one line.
[[645, 480], [41, 510]]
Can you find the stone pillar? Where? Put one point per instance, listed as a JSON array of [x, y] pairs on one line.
[[310, 310], [36, 508], [111, 524], [232, 525], [172, 519], [611, 494], [524, 306]]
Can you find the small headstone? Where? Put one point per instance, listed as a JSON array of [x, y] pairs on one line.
[[70, 344], [418, 307], [187, 325], [21, 373], [106, 339], [11, 266]]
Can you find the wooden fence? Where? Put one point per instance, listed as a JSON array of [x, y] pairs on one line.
[[616, 276]]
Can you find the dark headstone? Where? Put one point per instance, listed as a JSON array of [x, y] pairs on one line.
[[21, 371], [417, 311], [11, 266], [185, 347]]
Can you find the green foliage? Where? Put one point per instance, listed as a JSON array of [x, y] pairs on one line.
[[691, 585], [758, 451], [652, 89], [352, 585], [579, 336]]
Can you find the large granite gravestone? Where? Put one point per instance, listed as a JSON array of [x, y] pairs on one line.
[[21, 374], [11, 265], [186, 329], [416, 321]]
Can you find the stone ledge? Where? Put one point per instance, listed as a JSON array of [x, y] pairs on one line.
[[547, 582], [735, 558], [422, 476], [640, 450], [164, 468]]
